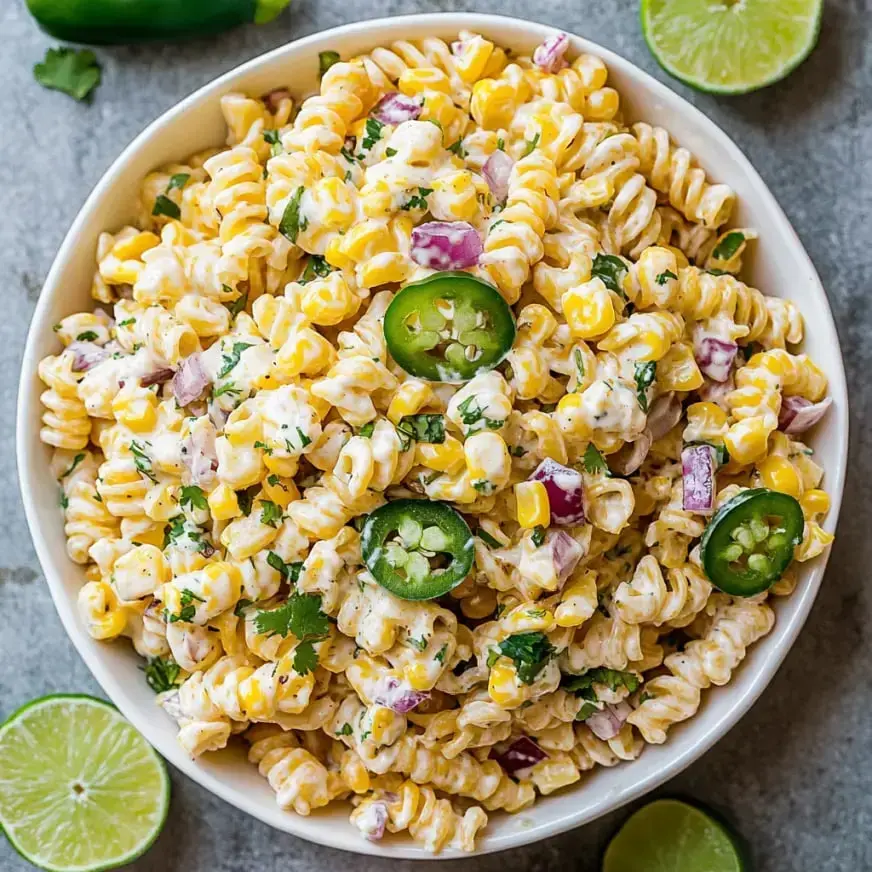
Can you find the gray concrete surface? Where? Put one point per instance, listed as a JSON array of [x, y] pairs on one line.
[[795, 776]]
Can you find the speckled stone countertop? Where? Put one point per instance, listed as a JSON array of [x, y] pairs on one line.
[[795, 776]]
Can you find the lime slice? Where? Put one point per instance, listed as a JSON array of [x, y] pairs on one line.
[[671, 836], [80, 789], [730, 46]]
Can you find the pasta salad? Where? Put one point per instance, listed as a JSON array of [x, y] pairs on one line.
[[425, 436]]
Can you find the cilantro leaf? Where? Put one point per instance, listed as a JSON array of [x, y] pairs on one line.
[[316, 267], [418, 644], [163, 205], [301, 615], [538, 536], [422, 428], [230, 360], [75, 72], [579, 364], [729, 245], [178, 180], [237, 305], [290, 571], [530, 652], [468, 415], [501, 143], [241, 606], [76, 461], [142, 460], [586, 710], [372, 133], [264, 446], [418, 201], [593, 460], [227, 388], [126, 322], [531, 145], [457, 148], [87, 336], [439, 657], [188, 610], [390, 152], [345, 730], [367, 430], [291, 223], [161, 674], [645, 374], [665, 276], [275, 143], [326, 59], [193, 496], [609, 269], [305, 658], [270, 513], [582, 685]]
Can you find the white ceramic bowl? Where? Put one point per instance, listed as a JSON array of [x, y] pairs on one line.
[[780, 266]]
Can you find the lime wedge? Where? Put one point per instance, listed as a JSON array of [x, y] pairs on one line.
[[671, 836], [80, 789], [730, 46]]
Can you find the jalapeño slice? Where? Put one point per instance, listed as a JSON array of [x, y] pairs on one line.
[[449, 327], [416, 549], [749, 542]]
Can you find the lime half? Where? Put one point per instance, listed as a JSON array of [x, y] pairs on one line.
[[671, 836], [730, 46], [80, 789]]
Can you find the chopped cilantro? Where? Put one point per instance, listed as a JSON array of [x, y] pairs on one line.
[[483, 486], [390, 152], [275, 143], [579, 364], [587, 709], [305, 658], [372, 133], [418, 644], [142, 460], [126, 322], [665, 276], [64, 502], [188, 610], [178, 180], [439, 657], [417, 201], [457, 148], [348, 155], [227, 388], [291, 223], [75, 72], [645, 374], [609, 269], [501, 143], [530, 652], [531, 145], [244, 498], [593, 460], [193, 496], [230, 360], [538, 536], [326, 59], [87, 336], [161, 674], [237, 305], [262, 445], [729, 245], [301, 616], [290, 571], [422, 428], [316, 267], [345, 730], [270, 513], [517, 451], [367, 430], [76, 461], [612, 678], [241, 606], [163, 205]]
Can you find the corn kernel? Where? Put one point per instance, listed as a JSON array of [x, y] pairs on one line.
[[417, 676], [502, 685], [533, 507], [747, 440], [446, 457], [778, 474], [380, 722], [223, 503], [134, 247], [410, 398], [281, 491], [815, 502], [588, 310]]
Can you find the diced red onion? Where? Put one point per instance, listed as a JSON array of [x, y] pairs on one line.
[[799, 414], [158, 377], [496, 171], [371, 822], [446, 245], [86, 355], [664, 414], [565, 488], [396, 108], [199, 455], [549, 55], [274, 98], [698, 475], [565, 553], [606, 724], [630, 457], [714, 356], [521, 754], [190, 380], [457, 46], [397, 696]]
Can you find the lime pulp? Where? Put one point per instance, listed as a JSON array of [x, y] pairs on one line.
[[80, 789], [730, 46]]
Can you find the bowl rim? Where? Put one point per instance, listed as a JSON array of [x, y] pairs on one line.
[[26, 444]]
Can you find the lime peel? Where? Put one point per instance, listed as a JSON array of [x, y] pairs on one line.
[[730, 46], [669, 835], [80, 789]]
